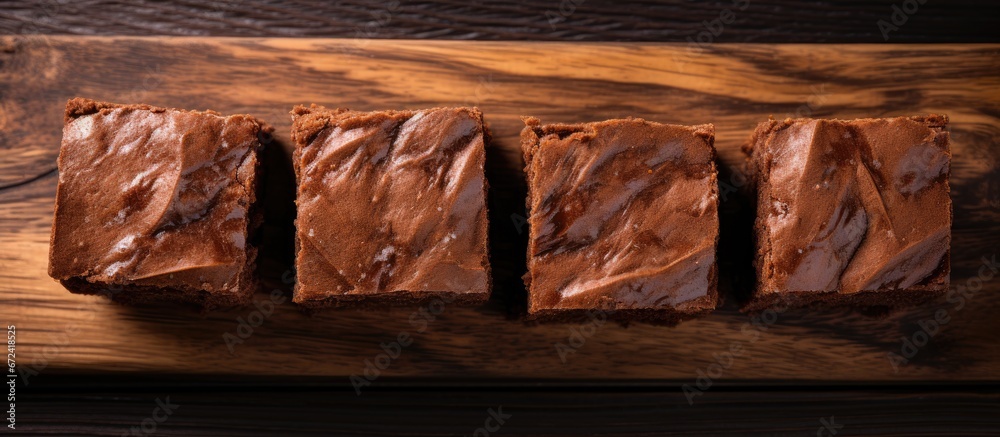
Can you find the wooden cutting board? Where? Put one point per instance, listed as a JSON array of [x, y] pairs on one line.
[[732, 86]]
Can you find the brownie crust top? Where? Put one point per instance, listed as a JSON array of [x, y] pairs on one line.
[[390, 202], [623, 215], [851, 206], [153, 196]]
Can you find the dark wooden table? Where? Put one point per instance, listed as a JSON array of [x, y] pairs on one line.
[[62, 401]]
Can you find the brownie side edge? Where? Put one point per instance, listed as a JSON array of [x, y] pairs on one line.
[[394, 299], [80, 106]]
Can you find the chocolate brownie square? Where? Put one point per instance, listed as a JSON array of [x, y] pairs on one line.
[[391, 207], [853, 213], [623, 219], [156, 204]]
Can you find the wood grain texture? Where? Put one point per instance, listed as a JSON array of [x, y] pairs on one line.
[[733, 86], [592, 20], [549, 413]]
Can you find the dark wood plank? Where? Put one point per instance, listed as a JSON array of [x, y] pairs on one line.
[[591, 20], [526, 412], [733, 86]]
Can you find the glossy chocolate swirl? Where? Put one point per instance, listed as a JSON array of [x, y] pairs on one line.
[[390, 202], [851, 206], [623, 215], [155, 197]]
